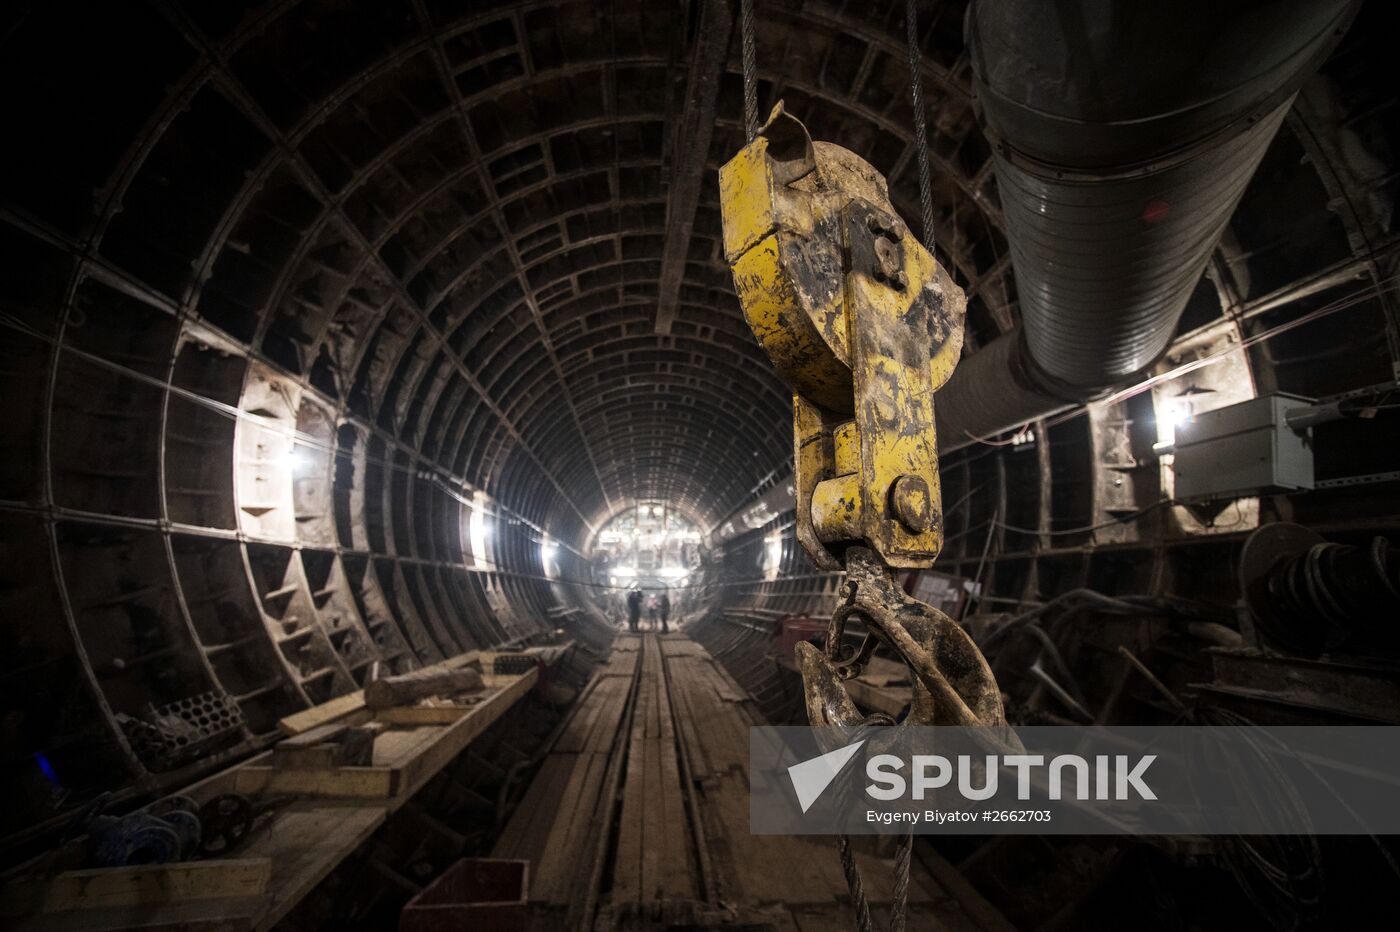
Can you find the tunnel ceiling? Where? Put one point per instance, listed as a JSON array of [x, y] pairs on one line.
[[447, 224], [448, 220]]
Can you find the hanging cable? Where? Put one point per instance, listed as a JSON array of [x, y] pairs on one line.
[[747, 59], [1114, 522], [900, 893], [916, 98]]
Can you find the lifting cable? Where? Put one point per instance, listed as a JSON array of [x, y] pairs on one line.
[[899, 897], [904, 849], [747, 63], [916, 99]]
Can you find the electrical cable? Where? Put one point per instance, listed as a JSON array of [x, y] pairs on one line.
[[1088, 598], [1281, 875], [1088, 527]]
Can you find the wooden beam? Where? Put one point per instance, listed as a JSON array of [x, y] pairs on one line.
[[332, 782], [423, 714], [157, 884], [454, 738]]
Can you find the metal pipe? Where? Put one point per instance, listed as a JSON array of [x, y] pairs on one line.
[[1123, 135]]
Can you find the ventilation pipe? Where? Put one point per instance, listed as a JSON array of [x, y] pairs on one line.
[[1123, 136]]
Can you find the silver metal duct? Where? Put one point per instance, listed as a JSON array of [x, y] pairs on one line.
[[1124, 134]]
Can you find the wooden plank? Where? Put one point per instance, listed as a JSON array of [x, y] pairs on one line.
[[354, 702], [620, 663], [676, 645], [323, 714], [575, 826], [157, 884], [564, 814], [321, 757], [335, 745], [595, 724], [238, 914], [307, 841], [456, 737], [527, 831], [882, 687], [333, 782], [403, 760], [424, 714], [674, 873], [627, 879], [314, 736], [653, 860], [888, 699]]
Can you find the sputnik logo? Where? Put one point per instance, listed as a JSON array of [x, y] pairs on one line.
[[811, 777]]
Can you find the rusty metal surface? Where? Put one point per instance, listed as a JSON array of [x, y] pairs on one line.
[[953, 685]]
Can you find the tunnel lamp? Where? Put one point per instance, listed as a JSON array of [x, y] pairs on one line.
[[548, 551], [299, 461], [773, 545], [477, 530], [1171, 415]]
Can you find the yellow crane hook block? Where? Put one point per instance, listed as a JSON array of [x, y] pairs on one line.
[[861, 322]]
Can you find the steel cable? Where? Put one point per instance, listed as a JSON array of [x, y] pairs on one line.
[[900, 907], [849, 867], [900, 891], [916, 98], [900, 894], [747, 58]]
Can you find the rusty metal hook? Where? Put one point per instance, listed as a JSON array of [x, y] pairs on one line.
[[952, 683]]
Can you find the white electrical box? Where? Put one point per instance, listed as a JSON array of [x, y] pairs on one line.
[[1243, 449]]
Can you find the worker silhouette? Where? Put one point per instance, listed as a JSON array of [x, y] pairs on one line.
[[653, 610], [634, 609], [665, 612]]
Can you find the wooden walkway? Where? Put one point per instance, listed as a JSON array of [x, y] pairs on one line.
[[639, 818]]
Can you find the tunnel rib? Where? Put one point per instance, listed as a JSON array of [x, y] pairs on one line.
[[239, 95], [479, 165]]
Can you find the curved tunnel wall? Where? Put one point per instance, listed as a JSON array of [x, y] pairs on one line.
[[296, 292]]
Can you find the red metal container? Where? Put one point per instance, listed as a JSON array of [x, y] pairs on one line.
[[481, 894], [794, 628]]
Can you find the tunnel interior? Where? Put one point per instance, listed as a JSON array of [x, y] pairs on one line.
[[340, 339]]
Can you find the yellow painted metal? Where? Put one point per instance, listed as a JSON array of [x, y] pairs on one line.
[[863, 324], [847, 451], [836, 508]]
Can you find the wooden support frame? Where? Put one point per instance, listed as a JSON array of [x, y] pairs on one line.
[[304, 841]]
